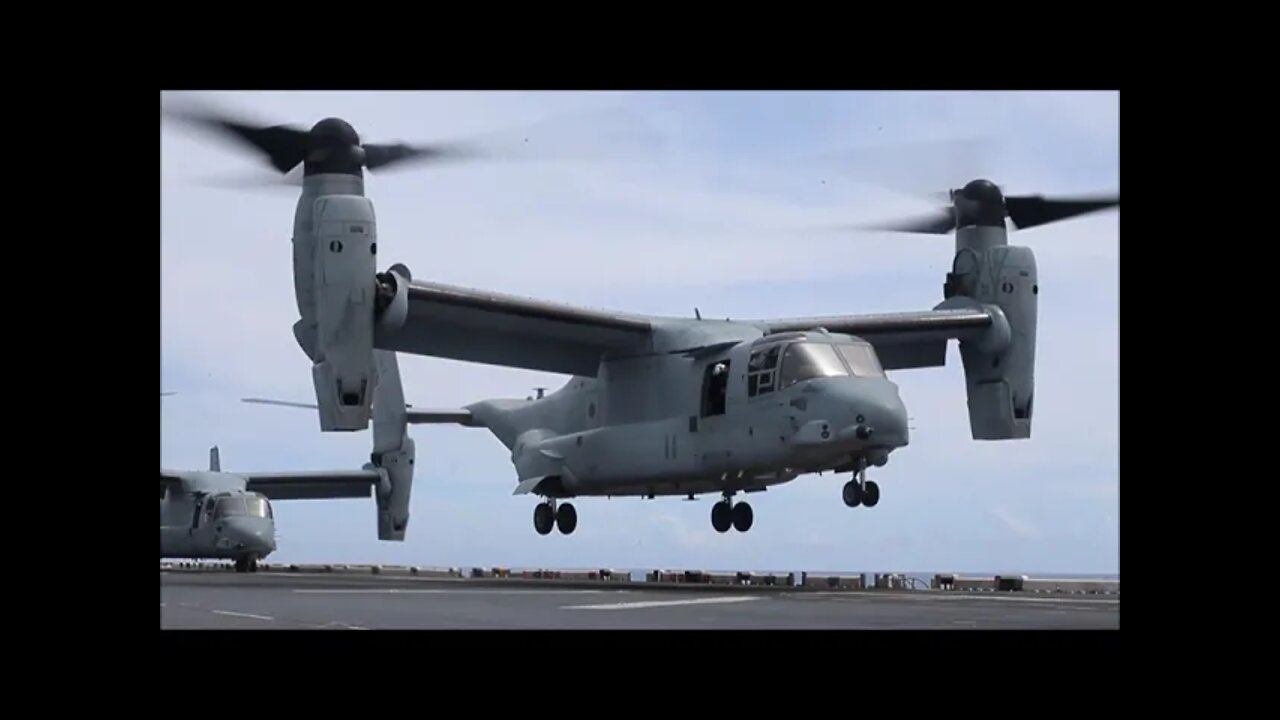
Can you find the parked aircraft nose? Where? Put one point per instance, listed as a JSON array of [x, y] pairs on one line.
[[252, 535]]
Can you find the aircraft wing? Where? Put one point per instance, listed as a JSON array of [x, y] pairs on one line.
[[902, 340], [315, 485], [486, 327]]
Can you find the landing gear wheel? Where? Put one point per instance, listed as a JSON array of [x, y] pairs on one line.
[[852, 493], [245, 564], [721, 516], [253, 564], [871, 494], [742, 517], [544, 518], [566, 518]]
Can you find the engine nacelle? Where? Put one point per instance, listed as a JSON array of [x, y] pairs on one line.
[[999, 367], [346, 245]]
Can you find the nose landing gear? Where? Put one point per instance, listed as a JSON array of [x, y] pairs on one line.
[[246, 563], [860, 490], [727, 513]]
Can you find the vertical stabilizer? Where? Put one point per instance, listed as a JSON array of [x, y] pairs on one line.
[[215, 463], [393, 449]]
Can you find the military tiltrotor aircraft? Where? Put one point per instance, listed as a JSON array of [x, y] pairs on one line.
[[227, 515], [658, 406]]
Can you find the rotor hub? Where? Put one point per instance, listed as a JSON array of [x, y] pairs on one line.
[[983, 191], [334, 132], [980, 203], [333, 147]]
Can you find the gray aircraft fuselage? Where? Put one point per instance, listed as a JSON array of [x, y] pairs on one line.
[[213, 517], [663, 424]]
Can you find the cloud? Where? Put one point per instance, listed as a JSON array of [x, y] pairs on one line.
[[710, 205]]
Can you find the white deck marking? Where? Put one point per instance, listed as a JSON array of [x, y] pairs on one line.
[[664, 603], [437, 591], [959, 597], [243, 615]]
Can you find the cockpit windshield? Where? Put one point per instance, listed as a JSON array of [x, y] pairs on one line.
[[862, 360], [250, 505], [808, 360]]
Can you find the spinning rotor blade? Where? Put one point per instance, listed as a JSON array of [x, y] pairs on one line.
[[284, 146], [333, 145], [981, 202], [1028, 211], [939, 224], [380, 156]]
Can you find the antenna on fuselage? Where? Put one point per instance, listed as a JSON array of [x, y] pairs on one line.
[[697, 313], [215, 463]]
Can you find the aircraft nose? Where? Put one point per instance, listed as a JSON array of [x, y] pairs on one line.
[[255, 535], [885, 415], [876, 414]]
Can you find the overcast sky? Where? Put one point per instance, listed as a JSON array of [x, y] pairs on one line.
[[666, 202]]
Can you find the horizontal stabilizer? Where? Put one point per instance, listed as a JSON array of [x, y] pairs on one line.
[[429, 417], [413, 416], [316, 485]]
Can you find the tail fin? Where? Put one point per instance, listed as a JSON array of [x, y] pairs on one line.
[[393, 449], [215, 463]]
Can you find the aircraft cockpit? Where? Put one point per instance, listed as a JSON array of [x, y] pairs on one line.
[[248, 504], [778, 366]]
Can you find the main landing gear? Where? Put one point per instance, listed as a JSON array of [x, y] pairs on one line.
[[246, 563], [860, 490], [727, 513], [547, 515]]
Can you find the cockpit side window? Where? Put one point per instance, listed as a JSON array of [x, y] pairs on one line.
[[808, 360], [762, 371], [257, 506], [862, 359]]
